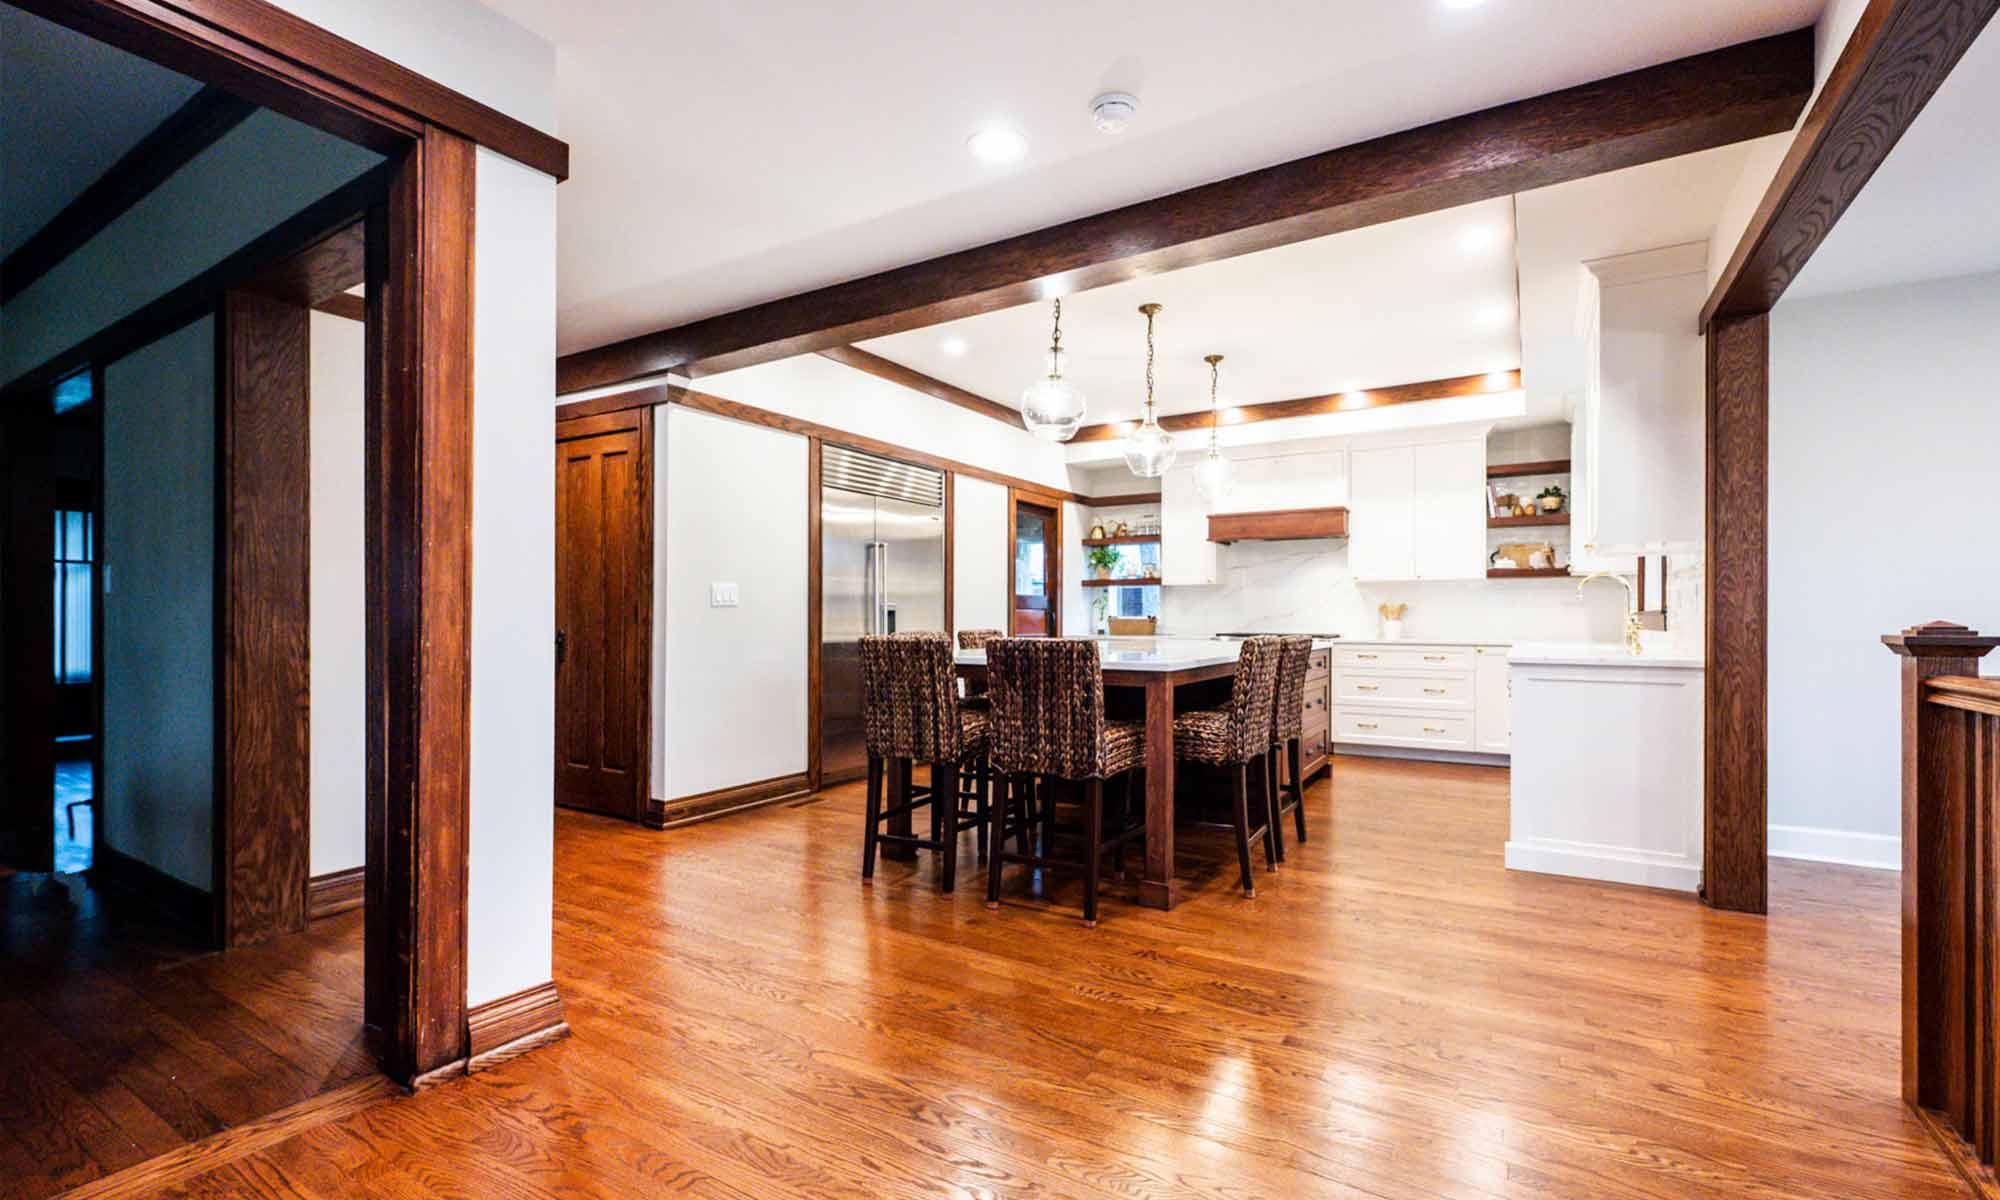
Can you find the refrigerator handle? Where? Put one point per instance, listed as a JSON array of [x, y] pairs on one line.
[[878, 587]]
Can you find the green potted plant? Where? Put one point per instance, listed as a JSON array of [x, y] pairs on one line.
[[1102, 561], [1552, 499]]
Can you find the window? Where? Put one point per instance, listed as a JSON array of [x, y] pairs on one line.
[[76, 550], [71, 393]]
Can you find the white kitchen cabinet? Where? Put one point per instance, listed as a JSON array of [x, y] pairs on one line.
[[1493, 714], [1419, 511], [1637, 453], [1186, 554]]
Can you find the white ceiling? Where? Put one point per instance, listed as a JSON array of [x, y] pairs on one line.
[[74, 105], [728, 153], [1430, 297], [1930, 211]]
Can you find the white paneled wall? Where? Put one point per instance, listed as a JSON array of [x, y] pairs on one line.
[[338, 602], [979, 554]]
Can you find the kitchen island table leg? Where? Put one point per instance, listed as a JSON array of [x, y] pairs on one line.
[[1157, 889]]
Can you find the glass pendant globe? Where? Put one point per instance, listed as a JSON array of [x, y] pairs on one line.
[[1150, 451], [1211, 477], [1052, 409]]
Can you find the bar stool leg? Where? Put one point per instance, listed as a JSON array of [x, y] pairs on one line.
[[984, 769], [1242, 798], [944, 820], [998, 838], [1093, 826], [874, 818], [1274, 803]]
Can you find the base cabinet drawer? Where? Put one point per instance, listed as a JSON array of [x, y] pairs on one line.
[[1444, 731], [1436, 690], [1404, 658]]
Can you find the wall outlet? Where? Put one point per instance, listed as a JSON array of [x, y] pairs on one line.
[[722, 595]]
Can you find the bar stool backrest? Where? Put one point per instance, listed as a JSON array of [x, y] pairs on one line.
[[1048, 706], [976, 639], [1288, 705], [909, 697]]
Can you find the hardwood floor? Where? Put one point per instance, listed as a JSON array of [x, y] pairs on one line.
[[122, 1039], [1394, 1016]]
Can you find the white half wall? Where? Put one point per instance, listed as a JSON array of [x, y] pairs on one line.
[[733, 680], [1885, 444], [980, 538], [158, 549], [338, 599], [510, 893]]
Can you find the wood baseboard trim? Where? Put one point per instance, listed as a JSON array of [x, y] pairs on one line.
[[506, 1028], [335, 892], [1964, 1160], [706, 806], [181, 902], [169, 1170]]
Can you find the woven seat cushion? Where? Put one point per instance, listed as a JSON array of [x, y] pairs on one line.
[[1124, 746], [975, 727], [1203, 736]]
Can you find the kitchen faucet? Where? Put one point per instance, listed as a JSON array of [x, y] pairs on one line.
[[1632, 645]]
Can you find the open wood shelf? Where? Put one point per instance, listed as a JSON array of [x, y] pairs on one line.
[[1129, 539], [1148, 581], [1561, 518], [1123, 501], [1551, 466], [1527, 572]]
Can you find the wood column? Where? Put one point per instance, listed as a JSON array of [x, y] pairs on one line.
[[419, 523], [1737, 593], [264, 799]]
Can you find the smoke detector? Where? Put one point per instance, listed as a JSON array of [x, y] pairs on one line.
[[1113, 111]]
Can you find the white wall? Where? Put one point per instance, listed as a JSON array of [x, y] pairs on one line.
[[510, 894], [1885, 447], [338, 600], [158, 551], [980, 538], [734, 678], [255, 176]]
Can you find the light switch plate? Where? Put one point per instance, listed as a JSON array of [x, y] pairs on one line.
[[722, 595]]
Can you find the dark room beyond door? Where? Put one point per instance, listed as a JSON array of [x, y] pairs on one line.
[[604, 612]]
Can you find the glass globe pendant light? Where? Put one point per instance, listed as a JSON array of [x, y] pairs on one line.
[[1149, 451], [1211, 474], [1053, 408]]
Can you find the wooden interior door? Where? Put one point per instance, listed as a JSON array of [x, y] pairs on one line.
[[1034, 568], [604, 612]]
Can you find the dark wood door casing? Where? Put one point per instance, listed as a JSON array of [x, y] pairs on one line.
[[604, 613], [27, 618], [1022, 619]]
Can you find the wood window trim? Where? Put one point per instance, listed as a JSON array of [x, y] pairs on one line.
[[641, 422], [1898, 55]]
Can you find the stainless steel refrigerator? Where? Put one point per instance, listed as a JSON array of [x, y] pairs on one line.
[[881, 571]]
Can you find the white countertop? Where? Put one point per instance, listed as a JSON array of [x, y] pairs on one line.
[[1420, 641], [1596, 654], [1148, 654]]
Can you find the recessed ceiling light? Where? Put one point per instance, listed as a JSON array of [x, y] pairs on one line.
[[1113, 111], [1461, 4], [1499, 381], [954, 346], [997, 144]]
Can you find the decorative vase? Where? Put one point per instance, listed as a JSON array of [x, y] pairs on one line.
[[1392, 631]]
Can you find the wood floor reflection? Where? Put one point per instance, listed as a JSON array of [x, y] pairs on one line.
[[1393, 1016]]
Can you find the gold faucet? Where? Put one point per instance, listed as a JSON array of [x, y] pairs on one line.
[[1632, 645]]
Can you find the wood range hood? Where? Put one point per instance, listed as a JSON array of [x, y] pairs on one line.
[[1278, 525]]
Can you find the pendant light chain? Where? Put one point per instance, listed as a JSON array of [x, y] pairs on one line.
[[1214, 405], [1149, 366]]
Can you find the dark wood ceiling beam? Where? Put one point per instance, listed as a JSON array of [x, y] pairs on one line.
[[190, 129], [894, 372], [1691, 104], [1893, 63], [1318, 406]]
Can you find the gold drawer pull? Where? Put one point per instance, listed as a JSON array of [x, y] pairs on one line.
[[1434, 691], [1366, 725], [1367, 656], [1434, 658], [1432, 729], [1367, 687]]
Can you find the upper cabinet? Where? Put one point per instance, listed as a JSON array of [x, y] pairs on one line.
[[1637, 433], [1419, 511]]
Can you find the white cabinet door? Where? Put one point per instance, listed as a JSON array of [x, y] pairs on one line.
[[1448, 514], [1493, 716], [1381, 495], [1186, 554]]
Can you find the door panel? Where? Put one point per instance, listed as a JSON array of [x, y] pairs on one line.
[[847, 526], [1034, 571], [604, 609]]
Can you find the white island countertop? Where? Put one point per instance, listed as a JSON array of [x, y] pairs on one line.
[[1597, 654], [1148, 653]]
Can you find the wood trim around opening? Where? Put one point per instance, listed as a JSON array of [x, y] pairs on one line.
[[1016, 496], [335, 892], [271, 57], [1318, 406], [498, 1030], [1895, 60], [915, 380], [703, 806], [1696, 103]]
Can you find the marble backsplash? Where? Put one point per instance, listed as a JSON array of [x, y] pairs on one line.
[[1305, 587]]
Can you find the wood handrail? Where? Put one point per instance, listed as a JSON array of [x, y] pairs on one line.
[[1951, 894]]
